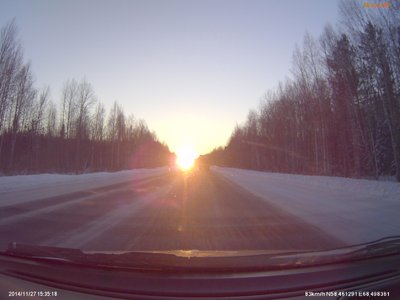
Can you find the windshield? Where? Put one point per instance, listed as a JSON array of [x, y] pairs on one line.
[[200, 128]]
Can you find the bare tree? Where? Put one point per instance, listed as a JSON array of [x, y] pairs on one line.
[[51, 129], [97, 134], [10, 63], [68, 108], [98, 122], [24, 95], [37, 124], [39, 110], [112, 131], [85, 100], [380, 72]]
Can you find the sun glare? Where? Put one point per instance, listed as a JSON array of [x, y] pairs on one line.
[[186, 157]]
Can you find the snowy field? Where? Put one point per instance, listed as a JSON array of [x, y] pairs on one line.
[[353, 210], [24, 188]]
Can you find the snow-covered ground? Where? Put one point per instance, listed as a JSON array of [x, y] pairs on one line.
[[353, 210], [24, 188]]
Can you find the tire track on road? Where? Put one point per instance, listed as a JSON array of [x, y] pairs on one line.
[[14, 213], [43, 225]]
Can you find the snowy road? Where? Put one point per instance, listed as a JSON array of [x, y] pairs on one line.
[[165, 211]]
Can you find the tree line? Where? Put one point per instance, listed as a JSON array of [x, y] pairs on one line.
[[339, 114], [74, 135]]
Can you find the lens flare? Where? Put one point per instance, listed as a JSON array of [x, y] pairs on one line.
[[186, 157]]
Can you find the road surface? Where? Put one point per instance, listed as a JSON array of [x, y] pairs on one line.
[[175, 211]]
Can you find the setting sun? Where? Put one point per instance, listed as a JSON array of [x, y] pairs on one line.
[[186, 157]]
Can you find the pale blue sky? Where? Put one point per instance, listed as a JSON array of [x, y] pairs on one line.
[[191, 69]]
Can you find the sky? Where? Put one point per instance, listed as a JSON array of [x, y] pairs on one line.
[[192, 69]]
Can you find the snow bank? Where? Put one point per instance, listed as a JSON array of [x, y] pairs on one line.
[[24, 188], [353, 210]]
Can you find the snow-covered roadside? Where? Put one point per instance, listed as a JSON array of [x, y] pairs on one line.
[[24, 188], [353, 210]]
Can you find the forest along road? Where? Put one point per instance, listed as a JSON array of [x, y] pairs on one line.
[[175, 211]]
